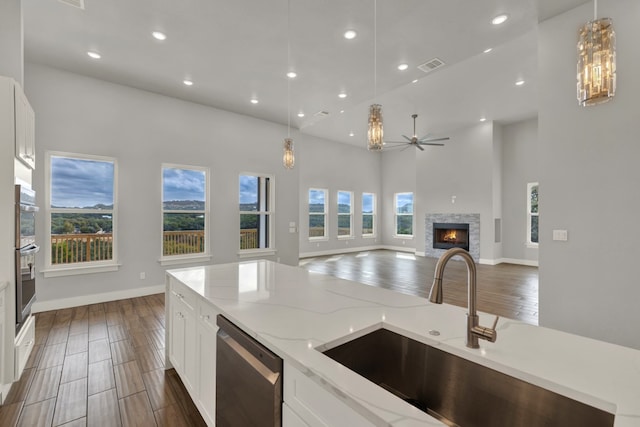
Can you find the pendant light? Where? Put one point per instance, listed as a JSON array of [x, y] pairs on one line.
[[596, 61], [288, 158], [375, 133]]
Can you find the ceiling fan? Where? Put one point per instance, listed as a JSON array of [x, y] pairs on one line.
[[418, 142]]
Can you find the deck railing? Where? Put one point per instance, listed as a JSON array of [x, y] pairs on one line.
[[73, 248]]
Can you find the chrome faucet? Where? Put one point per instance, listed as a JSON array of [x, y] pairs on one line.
[[474, 330]]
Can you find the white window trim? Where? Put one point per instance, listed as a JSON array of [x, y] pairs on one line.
[[325, 237], [81, 267], [188, 258], [529, 243], [350, 214], [396, 214], [271, 244], [373, 215]]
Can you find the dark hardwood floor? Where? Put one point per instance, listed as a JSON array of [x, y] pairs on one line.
[[100, 365], [506, 290]]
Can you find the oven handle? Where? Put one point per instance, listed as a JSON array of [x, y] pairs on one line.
[[32, 249], [29, 208]]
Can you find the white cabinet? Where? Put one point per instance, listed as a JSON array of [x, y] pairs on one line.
[[2, 315], [207, 330], [314, 406], [24, 128], [182, 341], [24, 345]]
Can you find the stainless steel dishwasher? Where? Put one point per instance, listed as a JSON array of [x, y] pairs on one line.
[[248, 380]]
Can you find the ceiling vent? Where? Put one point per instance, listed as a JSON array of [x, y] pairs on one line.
[[75, 3], [431, 65], [321, 114]]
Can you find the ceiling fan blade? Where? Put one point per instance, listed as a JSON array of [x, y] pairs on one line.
[[431, 143], [396, 142], [406, 137], [420, 148], [422, 141]]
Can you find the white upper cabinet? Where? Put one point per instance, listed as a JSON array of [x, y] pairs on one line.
[[24, 128]]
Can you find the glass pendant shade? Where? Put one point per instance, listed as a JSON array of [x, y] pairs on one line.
[[288, 159], [375, 133], [596, 62]]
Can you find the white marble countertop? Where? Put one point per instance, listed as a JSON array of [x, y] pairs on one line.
[[294, 312]]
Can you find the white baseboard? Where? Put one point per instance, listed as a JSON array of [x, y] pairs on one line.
[[399, 248], [339, 251], [529, 262], [61, 303]]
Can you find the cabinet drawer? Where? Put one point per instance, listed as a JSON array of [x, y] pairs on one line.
[[183, 294], [24, 344], [316, 406]]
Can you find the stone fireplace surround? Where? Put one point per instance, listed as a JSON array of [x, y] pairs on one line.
[[474, 232]]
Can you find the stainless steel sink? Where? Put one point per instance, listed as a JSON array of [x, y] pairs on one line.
[[456, 391]]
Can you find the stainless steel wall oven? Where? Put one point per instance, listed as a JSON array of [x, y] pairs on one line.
[[26, 249]]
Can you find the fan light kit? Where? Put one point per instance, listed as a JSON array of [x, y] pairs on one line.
[[596, 61]]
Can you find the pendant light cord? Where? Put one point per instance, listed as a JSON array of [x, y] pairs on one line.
[[375, 50], [289, 68], [595, 10]]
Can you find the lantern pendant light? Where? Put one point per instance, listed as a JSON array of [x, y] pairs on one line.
[[596, 61], [375, 133], [288, 158]]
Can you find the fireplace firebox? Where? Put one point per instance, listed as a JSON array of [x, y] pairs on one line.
[[450, 235]]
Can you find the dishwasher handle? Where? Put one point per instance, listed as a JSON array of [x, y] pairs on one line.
[[257, 350]]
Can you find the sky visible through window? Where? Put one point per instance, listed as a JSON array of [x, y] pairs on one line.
[[248, 189], [404, 203], [81, 183], [183, 184], [316, 197], [367, 203]]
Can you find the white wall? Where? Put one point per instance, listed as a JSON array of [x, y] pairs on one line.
[[520, 167], [142, 130], [589, 177], [463, 168], [11, 40], [337, 167]]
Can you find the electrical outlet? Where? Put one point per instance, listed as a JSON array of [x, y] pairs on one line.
[[143, 275], [560, 235]]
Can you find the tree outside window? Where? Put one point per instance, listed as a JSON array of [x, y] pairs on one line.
[[404, 214], [533, 213]]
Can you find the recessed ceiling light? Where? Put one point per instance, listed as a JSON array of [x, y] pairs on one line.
[[487, 50], [350, 34], [341, 111], [254, 101], [351, 133], [159, 35], [300, 114], [519, 82], [414, 81], [94, 55], [500, 19], [403, 67], [292, 74], [187, 82], [483, 119], [342, 95]]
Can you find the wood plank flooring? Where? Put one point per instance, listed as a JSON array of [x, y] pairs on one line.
[[507, 290], [100, 365]]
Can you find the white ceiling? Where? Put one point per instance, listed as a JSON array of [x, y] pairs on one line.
[[234, 50]]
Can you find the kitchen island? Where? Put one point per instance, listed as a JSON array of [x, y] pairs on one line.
[[297, 314]]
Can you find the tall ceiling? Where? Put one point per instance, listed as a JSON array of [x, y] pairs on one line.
[[237, 50]]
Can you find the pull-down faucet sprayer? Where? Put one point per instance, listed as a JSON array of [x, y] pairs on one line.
[[474, 330]]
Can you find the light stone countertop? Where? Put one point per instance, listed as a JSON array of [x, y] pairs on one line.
[[295, 313]]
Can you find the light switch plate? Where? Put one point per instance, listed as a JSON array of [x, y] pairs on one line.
[[560, 235]]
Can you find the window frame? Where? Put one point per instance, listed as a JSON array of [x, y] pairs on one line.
[[87, 267], [325, 214], [349, 214], [185, 258], [530, 214], [396, 215], [270, 212], [372, 215]]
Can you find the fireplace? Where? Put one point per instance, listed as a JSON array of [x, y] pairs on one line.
[[450, 235]]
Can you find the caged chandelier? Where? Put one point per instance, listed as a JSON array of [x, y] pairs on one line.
[[596, 61]]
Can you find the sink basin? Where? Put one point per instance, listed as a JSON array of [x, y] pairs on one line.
[[456, 391]]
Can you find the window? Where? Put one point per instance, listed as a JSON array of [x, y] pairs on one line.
[[184, 210], [81, 205], [256, 216], [404, 214], [532, 214], [345, 214], [317, 214], [368, 214]]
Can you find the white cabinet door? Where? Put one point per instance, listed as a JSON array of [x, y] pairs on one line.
[[24, 128], [207, 330], [177, 339], [190, 378]]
